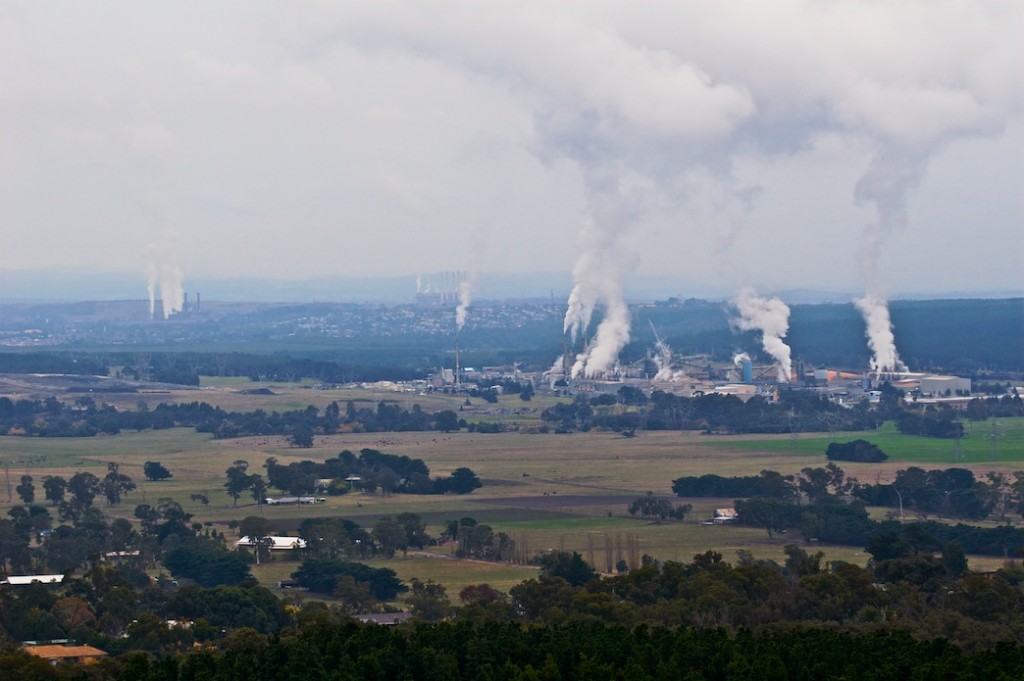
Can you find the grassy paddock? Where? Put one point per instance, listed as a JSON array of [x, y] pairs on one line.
[[547, 491], [975, 447], [234, 394]]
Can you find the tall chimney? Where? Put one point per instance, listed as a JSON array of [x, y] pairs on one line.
[[458, 381]]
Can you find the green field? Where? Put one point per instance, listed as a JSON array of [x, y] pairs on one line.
[[976, 447], [548, 491]]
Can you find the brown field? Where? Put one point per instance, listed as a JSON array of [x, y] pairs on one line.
[[567, 492]]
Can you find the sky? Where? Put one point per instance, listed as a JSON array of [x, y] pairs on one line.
[[865, 146]]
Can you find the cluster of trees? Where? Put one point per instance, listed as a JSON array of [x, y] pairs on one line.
[[656, 508], [480, 541], [948, 493], [795, 411], [980, 409], [388, 473], [951, 493], [858, 450], [943, 423], [767, 484], [342, 578]]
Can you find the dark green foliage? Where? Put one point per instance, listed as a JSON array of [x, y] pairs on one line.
[[388, 473], [577, 650], [154, 471], [54, 487], [84, 487], [952, 492], [772, 515], [429, 601], [461, 481], [116, 484], [942, 424], [230, 606], [856, 450], [331, 537], [768, 484], [322, 575], [480, 541], [26, 490], [649, 506], [446, 421], [206, 562], [568, 566]]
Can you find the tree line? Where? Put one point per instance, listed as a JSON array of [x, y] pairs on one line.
[[83, 417], [706, 619]]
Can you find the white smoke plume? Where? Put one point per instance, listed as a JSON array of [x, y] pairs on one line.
[[646, 99], [419, 284], [663, 359], [466, 289], [172, 292], [152, 279], [881, 340], [770, 316], [633, 119], [890, 177], [596, 278], [663, 362], [739, 358], [556, 372], [163, 272]]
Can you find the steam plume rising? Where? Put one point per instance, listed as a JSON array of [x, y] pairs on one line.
[[466, 289], [596, 278], [888, 180], [663, 359], [739, 358], [152, 277], [879, 333], [163, 271], [770, 316], [663, 362]]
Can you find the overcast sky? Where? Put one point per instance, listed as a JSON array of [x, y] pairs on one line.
[[852, 145]]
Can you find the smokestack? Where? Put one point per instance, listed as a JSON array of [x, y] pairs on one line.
[[197, 301], [458, 380], [748, 371]]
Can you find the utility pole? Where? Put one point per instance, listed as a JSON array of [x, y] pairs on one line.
[[993, 437]]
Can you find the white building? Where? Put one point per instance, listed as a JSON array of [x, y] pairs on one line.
[[276, 543]]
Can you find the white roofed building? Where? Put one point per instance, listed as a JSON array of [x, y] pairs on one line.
[[23, 580], [276, 543]]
